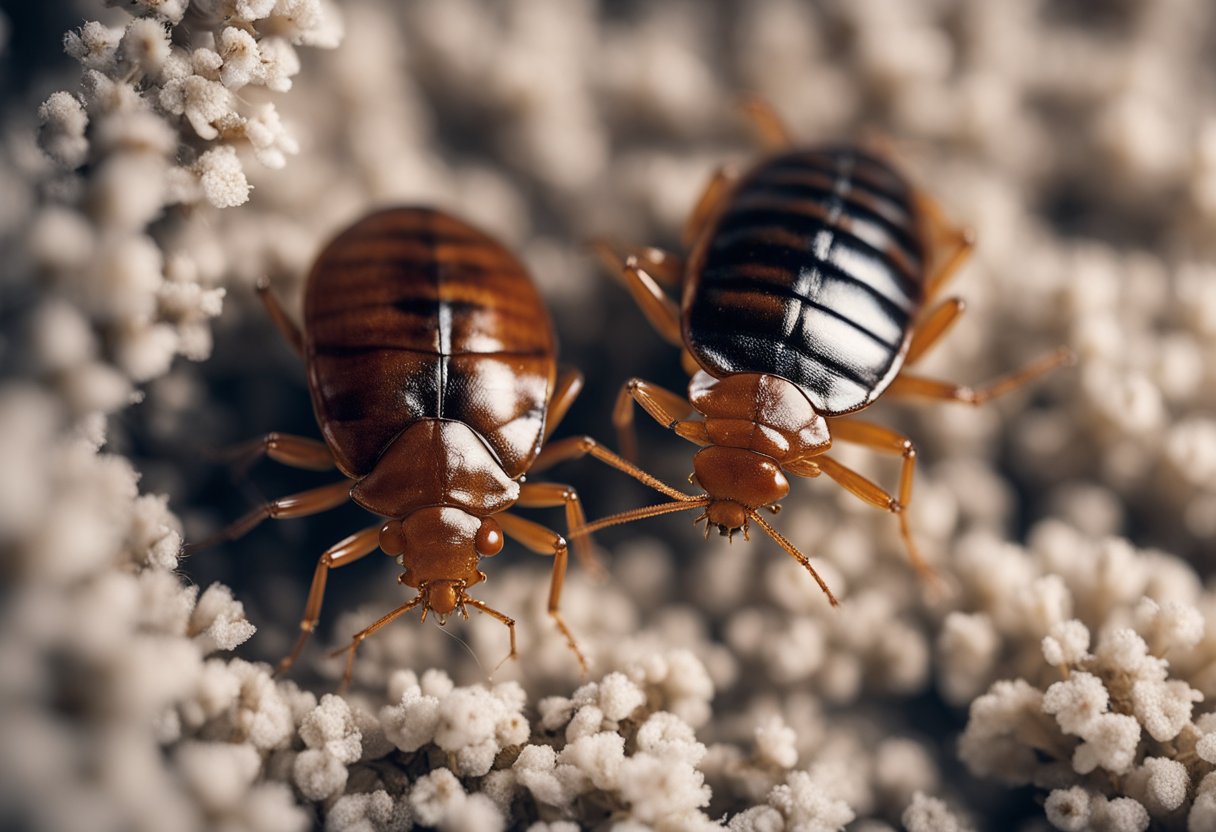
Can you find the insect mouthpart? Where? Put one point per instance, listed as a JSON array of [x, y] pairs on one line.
[[442, 598], [727, 516]]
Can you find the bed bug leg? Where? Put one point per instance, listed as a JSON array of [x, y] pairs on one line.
[[771, 128], [707, 205], [909, 386], [684, 504], [577, 447], [313, 501], [948, 245], [346, 551], [861, 487], [665, 407], [569, 385], [284, 448], [933, 327], [664, 266], [285, 324], [656, 305], [545, 541], [358, 638], [549, 495], [506, 620], [886, 441]]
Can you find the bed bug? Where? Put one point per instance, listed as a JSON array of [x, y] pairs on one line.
[[811, 287], [432, 372]]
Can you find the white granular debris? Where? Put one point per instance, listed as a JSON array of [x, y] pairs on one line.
[[219, 774], [1110, 743], [318, 775], [374, 812], [776, 743], [1076, 702], [929, 814], [619, 697], [331, 728], [1079, 143], [218, 621], [1166, 783], [411, 723], [1203, 811], [1068, 809], [804, 805], [222, 178], [1068, 643], [598, 756], [1120, 815]]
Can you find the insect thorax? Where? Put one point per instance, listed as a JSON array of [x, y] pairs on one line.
[[436, 462]]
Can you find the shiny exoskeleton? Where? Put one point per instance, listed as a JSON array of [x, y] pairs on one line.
[[805, 297], [432, 370], [812, 273]]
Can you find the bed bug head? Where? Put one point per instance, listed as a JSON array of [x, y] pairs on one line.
[[438, 548], [736, 482]]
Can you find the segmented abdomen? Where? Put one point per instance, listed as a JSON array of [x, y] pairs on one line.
[[410, 314], [813, 272]]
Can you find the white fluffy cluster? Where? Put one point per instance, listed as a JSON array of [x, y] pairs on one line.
[[109, 648], [116, 715], [1074, 137], [1061, 587], [163, 112], [1113, 722]]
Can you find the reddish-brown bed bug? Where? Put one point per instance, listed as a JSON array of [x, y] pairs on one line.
[[805, 297], [431, 365]]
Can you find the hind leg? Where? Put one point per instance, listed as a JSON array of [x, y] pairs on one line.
[[773, 132], [908, 386], [313, 501]]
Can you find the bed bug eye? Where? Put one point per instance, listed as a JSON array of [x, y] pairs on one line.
[[392, 538], [489, 538]]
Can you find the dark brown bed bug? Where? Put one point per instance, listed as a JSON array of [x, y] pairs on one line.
[[811, 287], [432, 371]]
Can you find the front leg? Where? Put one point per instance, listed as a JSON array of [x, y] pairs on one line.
[[665, 407], [551, 494], [545, 541], [347, 551], [577, 447]]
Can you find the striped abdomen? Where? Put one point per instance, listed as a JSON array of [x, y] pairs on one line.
[[812, 271], [411, 314]]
